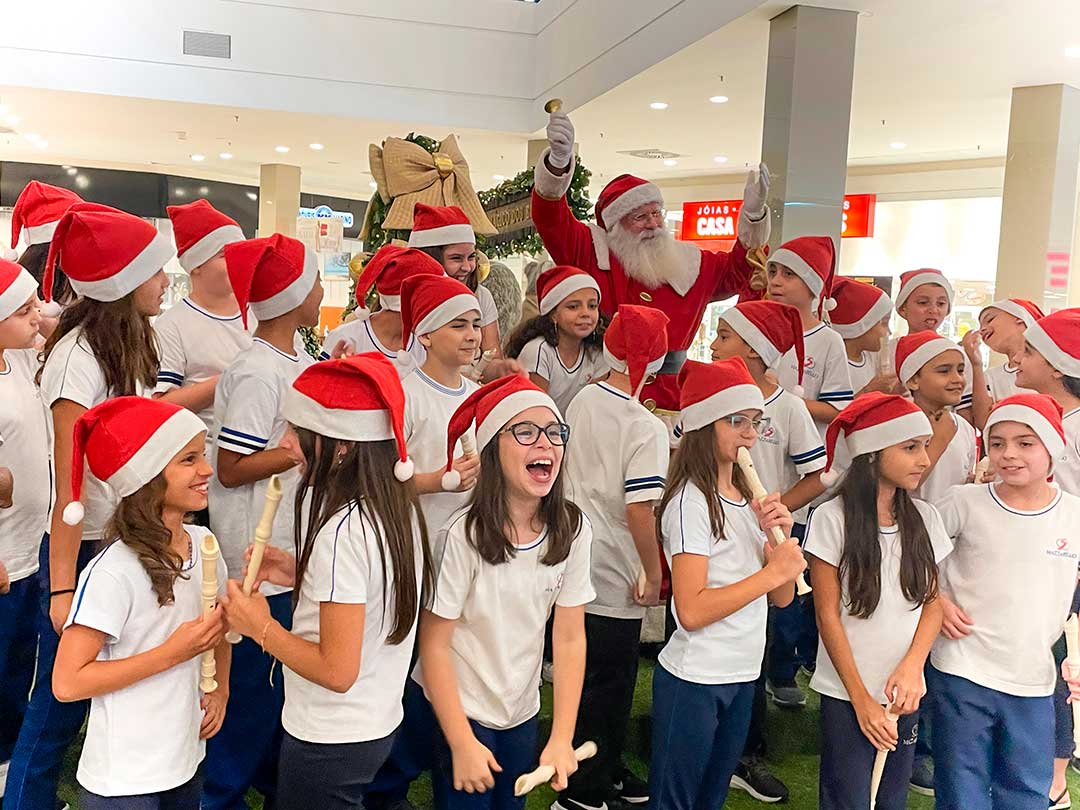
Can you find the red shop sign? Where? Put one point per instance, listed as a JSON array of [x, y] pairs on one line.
[[718, 219]]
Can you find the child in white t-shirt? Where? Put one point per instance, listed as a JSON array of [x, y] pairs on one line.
[[722, 570], [102, 347], [562, 347], [801, 274], [861, 318], [874, 552], [361, 570], [137, 626], [517, 555], [199, 336], [381, 331], [24, 453], [278, 278], [616, 475], [1001, 327], [1006, 591], [932, 369]]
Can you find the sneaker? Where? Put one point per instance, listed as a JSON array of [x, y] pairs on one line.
[[753, 776], [1062, 802], [785, 694], [922, 776], [563, 803], [3, 776], [630, 789]]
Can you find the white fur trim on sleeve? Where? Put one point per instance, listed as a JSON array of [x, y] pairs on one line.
[[754, 234], [548, 185]]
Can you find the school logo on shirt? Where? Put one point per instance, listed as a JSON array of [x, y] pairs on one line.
[[809, 367], [1061, 549], [769, 435]]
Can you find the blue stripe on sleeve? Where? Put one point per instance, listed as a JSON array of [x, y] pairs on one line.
[[836, 396], [170, 377], [810, 455]]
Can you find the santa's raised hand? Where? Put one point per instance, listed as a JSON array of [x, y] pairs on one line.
[[756, 192], [560, 135]]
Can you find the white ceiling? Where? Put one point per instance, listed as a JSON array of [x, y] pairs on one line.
[[938, 73]]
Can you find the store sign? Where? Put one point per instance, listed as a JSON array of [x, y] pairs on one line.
[[512, 218], [326, 212], [718, 219]]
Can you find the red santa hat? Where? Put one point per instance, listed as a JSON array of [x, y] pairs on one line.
[[105, 253], [709, 391], [491, 407], [916, 278], [812, 259], [435, 225], [38, 211], [916, 350], [429, 302], [621, 196], [388, 268], [127, 442], [635, 344], [1019, 308], [16, 287], [200, 231], [859, 307], [555, 284], [771, 329], [357, 399], [1057, 338], [272, 275], [1041, 413], [872, 422]]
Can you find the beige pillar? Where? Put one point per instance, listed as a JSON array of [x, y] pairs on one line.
[[1038, 207], [279, 198]]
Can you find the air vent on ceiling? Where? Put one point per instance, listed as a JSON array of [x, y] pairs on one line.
[[204, 43], [651, 154]]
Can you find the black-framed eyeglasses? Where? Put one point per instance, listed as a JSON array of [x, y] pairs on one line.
[[528, 433], [744, 424]]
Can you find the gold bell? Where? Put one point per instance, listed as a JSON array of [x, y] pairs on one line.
[[553, 105]]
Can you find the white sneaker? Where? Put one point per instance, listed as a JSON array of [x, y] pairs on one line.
[[3, 776]]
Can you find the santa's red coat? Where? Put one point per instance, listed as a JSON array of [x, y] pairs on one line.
[[719, 276]]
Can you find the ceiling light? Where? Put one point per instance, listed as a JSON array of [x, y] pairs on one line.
[[251, 195], [671, 162], [1073, 52], [718, 99], [82, 181], [498, 178], [203, 191], [720, 159], [72, 171], [281, 149], [225, 155], [898, 145], [180, 192], [659, 105], [198, 158], [316, 146]]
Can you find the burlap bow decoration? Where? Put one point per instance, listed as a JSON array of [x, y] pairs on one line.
[[407, 173]]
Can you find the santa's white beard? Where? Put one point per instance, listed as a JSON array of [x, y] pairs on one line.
[[651, 258]]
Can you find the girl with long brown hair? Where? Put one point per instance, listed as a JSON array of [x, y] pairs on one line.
[[518, 553], [102, 347], [361, 567], [132, 642], [722, 573], [874, 552]]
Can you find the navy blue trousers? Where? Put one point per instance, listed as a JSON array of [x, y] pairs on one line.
[[515, 750], [18, 648]]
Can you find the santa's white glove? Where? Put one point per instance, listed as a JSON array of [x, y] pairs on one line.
[[560, 134], [755, 192]]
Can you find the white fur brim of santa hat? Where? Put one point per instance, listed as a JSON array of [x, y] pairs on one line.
[[753, 336], [1012, 409], [623, 195], [445, 312], [723, 403], [390, 302], [445, 235], [337, 423], [916, 278], [1057, 338], [507, 409], [16, 287], [1016, 307], [798, 265], [872, 439], [124, 281], [615, 364], [567, 282], [293, 295], [879, 311], [209, 246], [922, 355]]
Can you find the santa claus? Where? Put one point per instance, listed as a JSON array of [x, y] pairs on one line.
[[633, 257]]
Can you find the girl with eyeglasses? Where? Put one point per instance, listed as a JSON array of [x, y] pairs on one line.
[[517, 553], [562, 348], [723, 574]]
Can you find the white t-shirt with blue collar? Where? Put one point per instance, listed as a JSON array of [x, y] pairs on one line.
[[362, 339]]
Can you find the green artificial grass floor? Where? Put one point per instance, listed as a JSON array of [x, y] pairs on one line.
[[792, 742]]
